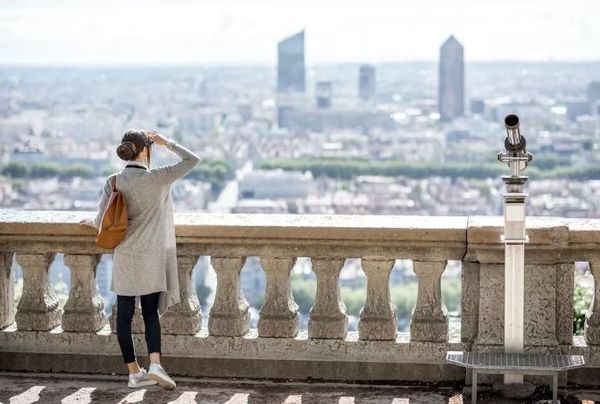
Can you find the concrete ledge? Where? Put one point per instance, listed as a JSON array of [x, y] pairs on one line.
[[282, 226], [276, 369], [250, 347]]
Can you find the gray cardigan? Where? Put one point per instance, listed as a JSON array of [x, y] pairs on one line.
[[146, 259]]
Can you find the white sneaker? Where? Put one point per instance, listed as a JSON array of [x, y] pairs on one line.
[[139, 379], [157, 373]]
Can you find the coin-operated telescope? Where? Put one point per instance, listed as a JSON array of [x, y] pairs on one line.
[[515, 153], [514, 239]]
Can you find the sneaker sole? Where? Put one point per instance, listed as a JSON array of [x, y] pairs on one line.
[[142, 384], [161, 382]]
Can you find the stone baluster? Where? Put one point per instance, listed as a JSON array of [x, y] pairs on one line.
[[279, 313], [592, 324], [328, 315], [378, 316], [184, 318], [429, 318], [229, 314], [7, 293], [38, 309], [83, 312]]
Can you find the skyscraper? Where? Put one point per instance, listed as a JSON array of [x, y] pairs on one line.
[[366, 82], [451, 93], [290, 64], [291, 78]]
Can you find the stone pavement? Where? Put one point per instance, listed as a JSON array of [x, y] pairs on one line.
[[68, 389], [47, 388]]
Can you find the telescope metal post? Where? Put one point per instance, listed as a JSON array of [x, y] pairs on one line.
[[514, 239]]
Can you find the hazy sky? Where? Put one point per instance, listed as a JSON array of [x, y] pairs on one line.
[[247, 31]]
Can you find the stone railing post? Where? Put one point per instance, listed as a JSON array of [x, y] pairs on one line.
[[7, 292], [565, 279], [429, 319], [185, 317], [38, 309], [328, 315], [83, 311], [548, 283], [378, 316], [279, 313], [592, 324], [229, 314], [490, 327]]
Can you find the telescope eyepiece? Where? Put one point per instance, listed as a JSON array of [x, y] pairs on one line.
[[513, 134], [511, 121]]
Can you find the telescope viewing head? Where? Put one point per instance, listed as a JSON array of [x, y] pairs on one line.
[[514, 142], [516, 155]]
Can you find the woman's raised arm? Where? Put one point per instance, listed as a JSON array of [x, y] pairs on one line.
[[167, 174]]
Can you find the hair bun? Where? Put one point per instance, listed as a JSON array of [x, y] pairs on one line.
[[126, 150]]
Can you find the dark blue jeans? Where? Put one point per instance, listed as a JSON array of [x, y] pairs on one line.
[[125, 311]]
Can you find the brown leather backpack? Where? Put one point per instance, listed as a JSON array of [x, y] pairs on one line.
[[114, 219]]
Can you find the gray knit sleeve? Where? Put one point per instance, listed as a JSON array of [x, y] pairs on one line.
[[167, 174]]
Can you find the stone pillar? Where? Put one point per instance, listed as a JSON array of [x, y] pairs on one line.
[[83, 312], [38, 308], [592, 323], [490, 329], [548, 317], [184, 318], [541, 290], [7, 292], [469, 300], [328, 315], [429, 318], [378, 316], [565, 280], [229, 314], [279, 313]]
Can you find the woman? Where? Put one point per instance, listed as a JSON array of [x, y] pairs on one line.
[[145, 262]]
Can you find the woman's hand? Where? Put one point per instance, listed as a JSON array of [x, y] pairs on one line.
[[86, 222], [157, 137]]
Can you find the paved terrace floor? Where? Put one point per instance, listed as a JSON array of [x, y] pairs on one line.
[[16, 388]]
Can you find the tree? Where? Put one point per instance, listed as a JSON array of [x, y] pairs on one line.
[[76, 170], [15, 169], [45, 170]]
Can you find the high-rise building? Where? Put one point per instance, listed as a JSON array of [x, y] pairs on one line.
[[366, 82], [451, 92], [593, 91], [290, 64], [291, 77], [324, 93]]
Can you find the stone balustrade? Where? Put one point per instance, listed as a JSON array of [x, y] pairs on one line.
[[39, 335]]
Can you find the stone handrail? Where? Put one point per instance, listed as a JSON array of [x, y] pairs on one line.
[[276, 349]]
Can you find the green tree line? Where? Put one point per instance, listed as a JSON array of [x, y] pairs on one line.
[[215, 172], [544, 166], [19, 169]]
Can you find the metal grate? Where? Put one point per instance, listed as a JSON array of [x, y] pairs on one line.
[[490, 360]]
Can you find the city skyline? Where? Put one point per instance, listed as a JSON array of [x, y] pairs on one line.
[[232, 33]]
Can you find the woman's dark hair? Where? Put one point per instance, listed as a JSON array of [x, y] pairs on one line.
[[132, 144]]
